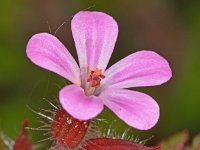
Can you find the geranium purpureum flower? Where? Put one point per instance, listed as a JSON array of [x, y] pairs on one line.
[[94, 86]]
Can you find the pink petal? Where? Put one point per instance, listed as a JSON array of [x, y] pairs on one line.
[[46, 51], [95, 34], [136, 109], [143, 68], [77, 104]]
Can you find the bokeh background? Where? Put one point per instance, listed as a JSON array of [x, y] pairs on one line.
[[169, 27]]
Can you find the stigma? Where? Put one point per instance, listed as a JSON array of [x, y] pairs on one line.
[[95, 77]]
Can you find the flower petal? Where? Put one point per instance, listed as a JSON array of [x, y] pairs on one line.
[[143, 68], [95, 34], [46, 51], [77, 104], [136, 109]]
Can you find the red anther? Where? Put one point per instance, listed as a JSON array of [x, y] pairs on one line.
[[114, 144], [23, 142], [95, 77], [67, 131]]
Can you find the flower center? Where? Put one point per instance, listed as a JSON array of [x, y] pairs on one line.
[[95, 78]]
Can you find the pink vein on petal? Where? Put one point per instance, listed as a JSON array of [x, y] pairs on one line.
[[48, 52], [143, 68], [95, 34], [135, 108]]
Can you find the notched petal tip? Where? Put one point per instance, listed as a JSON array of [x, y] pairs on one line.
[[162, 61], [95, 15]]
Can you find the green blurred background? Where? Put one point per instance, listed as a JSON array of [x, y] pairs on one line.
[[169, 27]]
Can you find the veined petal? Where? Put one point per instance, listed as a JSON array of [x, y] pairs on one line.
[[95, 34], [77, 104], [143, 68], [136, 109], [46, 51]]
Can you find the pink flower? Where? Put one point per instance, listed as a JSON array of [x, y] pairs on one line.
[[94, 86]]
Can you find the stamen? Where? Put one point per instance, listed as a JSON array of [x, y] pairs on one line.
[[95, 77]]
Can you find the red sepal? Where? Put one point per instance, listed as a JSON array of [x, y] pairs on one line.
[[114, 144], [23, 142]]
